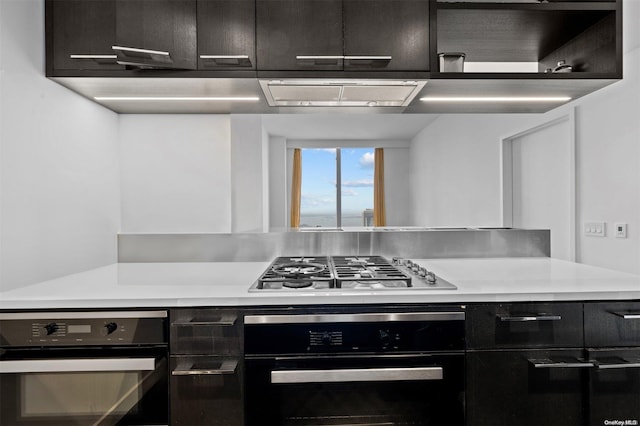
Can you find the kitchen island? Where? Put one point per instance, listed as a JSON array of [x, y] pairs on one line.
[[553, 330], [123, 285]]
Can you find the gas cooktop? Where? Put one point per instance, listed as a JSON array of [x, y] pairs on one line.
[[345, 273]]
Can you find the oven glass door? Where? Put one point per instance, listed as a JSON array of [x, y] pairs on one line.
[[356, 390], [107, 386]]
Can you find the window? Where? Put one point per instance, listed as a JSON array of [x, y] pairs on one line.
[[337, 187]]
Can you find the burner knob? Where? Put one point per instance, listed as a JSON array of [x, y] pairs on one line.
[[431, 277], [422, 271], [51, 328], [408, 263], [397, 260], [111, 327]]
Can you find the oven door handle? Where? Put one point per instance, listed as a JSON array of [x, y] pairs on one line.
[[357, 375], [351, 318], [74, 365]]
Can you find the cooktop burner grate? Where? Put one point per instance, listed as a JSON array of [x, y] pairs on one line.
[[298, 272], [319, 273], [353, 271]]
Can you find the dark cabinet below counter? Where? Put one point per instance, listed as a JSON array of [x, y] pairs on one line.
[[553, 364], [524, 325], [207, 367], [507, 388], [525, 364]]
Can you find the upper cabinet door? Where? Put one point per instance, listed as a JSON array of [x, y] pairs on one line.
[[156, 34], [226, 34], [299, 34], [83, 33], [386, 35]]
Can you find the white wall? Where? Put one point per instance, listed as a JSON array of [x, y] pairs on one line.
[[396, 186], [176, 173], [279, 182], [540, 181], [608, 170], [455, 163], [59, 193], [249, 174], [455, 169]]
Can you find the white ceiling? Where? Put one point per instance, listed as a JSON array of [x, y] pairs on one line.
[[347, 126]]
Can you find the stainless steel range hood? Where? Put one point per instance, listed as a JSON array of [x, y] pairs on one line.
[[340, 93]]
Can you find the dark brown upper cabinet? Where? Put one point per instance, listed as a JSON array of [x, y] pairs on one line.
[[386, 35], [337, 35], [156, 34], [299, 34], [226, 35], [81, 34], [585, 35]]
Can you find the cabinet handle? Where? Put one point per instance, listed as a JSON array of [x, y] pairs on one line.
[[369, 58], [549, 363], [228, 60], [311, 58], [94, 57], [525, 318], [627, 315], [321, 60], [226, 320], [74, 365], [133, 55], [227, 367], [138, 50], [224, 56], [628, 363], [357, 375]]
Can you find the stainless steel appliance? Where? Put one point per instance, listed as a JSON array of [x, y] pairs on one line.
[[83, 368], [369, 365], [345, 273]]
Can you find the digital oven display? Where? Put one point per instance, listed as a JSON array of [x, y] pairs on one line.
[[78, 328]]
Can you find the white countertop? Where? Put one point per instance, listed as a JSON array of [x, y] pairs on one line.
[[226, 284]]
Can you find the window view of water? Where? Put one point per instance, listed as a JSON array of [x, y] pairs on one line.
[[314, 220], [319, 187]]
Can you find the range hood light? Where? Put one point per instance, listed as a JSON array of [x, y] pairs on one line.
[[178, 98], [496, 99], [340, 92]]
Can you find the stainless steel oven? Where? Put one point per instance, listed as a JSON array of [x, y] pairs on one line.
[[368, 366], [83, 368]]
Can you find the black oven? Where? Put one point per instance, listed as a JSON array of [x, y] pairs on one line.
[[83, 368], [391, 366]]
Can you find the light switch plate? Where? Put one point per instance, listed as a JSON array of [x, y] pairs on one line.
[[621, 230], [595, 229]]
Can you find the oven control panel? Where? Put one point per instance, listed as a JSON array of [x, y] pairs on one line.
[[80, 331], [344, 331], [82, 328]]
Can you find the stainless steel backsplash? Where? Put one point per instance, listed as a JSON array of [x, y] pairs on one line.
[[248, 247]]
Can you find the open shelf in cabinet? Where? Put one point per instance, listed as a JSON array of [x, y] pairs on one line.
[[585, 34]]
